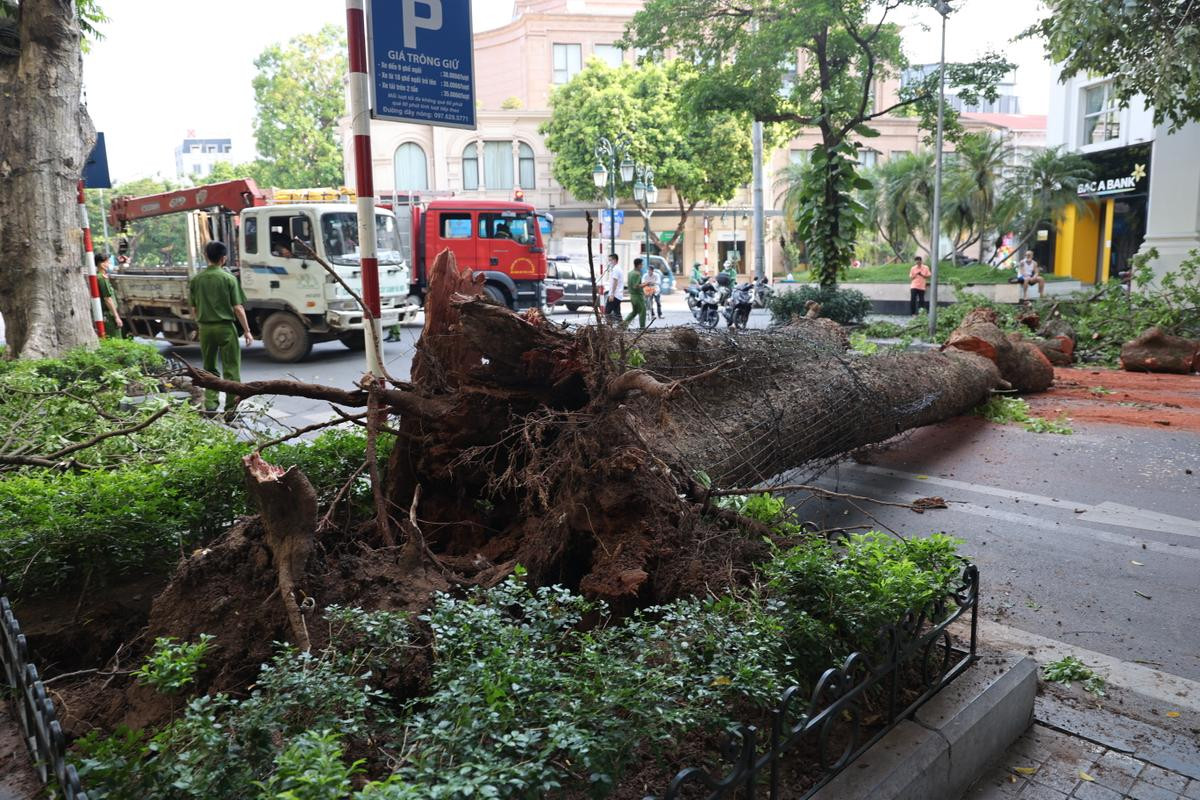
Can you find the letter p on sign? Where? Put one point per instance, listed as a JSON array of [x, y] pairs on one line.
[[433, 22]]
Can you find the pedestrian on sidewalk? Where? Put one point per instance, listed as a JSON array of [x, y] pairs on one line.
[[653, 290], [917, 275], [637, 298], [613, 287], [114, 326], [217, 302]]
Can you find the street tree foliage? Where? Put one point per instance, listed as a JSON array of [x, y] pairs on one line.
[[299, 96], [44, 142], [701, 157], [1149, 47], [156, 241], [807, 64]]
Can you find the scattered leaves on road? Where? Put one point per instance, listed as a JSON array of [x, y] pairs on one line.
[[1142, 594], [1084, 776]]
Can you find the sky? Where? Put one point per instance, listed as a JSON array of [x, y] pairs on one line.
[[167, 68]]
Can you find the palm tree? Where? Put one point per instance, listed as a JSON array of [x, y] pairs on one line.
[[884, 223], [979, 163], [909, 193]]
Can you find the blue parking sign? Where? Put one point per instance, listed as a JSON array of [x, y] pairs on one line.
[[421, 62]]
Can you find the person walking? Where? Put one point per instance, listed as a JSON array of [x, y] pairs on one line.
[[114, 326], [917, 276], [637, 298], [217, 302], [613, 288], [1028, 273], [653, 289]]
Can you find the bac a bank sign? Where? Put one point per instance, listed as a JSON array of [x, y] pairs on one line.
[[421, 61]]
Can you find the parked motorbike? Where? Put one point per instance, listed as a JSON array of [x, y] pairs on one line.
[[762, 292], [737, 308], [708, 308]]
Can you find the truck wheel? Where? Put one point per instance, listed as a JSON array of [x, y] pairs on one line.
[[496, 295], [285, 338], [572, 307], [355, 340]]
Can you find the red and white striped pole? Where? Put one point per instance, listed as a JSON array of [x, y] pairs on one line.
[[360, 126], [89, 265], [706, 230]]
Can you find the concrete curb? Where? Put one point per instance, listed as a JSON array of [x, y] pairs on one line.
[[950, 741]]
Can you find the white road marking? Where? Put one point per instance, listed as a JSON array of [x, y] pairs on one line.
[[1106, 513]]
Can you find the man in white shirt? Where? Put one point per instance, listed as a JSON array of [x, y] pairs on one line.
[[1028, 273], [613, 288]]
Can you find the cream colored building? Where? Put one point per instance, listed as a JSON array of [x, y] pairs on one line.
[[517, 66]]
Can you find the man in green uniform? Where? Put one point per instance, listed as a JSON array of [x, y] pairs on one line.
[[113, 324], [217, 300], [637, 298]]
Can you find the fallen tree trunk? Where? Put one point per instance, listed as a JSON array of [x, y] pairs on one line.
[[585, 454]]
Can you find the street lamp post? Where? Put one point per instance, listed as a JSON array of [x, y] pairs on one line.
[[612, 156], [935, 233], [645, 194]]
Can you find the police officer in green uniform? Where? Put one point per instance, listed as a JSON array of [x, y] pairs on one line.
[[217, 301], [637, 298], [114, 326]]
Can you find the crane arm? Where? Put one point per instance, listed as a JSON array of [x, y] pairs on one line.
[[228, 195]]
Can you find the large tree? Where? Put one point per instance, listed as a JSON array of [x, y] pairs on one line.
[[300, 97], [806, 64], [703, 158], [1150, 48], [45, 138]]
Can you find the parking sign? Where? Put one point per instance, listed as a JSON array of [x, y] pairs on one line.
[[421, 62]]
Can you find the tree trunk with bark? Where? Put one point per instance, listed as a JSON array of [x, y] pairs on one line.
[[44, 143], [1158, 351]]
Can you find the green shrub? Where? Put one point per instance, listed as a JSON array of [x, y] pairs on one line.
[[847, 306]]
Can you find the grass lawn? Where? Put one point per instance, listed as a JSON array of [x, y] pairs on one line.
[[898, 273]]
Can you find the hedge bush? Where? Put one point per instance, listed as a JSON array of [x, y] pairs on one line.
[[847, 306], [150, 496]]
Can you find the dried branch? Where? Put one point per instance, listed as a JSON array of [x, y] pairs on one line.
[[298, 432]]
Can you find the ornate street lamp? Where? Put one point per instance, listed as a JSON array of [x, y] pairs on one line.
[[612, 164], [645, 194]]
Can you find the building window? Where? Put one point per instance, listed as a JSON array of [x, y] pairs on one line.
[[470, 167], [867, 157], [610, 54], [900, 154], [251, 233], [526, 166], [412, 171], [568, 60], [1100, 114], [498, 165], [798, 156]]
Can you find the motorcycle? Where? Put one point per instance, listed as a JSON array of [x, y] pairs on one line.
[[762, 292], [737, 308], [707, 311], [693, 300]]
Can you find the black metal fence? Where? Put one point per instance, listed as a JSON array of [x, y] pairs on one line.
[[915, 659], [33, 708]]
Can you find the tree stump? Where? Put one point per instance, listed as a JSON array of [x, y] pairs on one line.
[[1157, 351]]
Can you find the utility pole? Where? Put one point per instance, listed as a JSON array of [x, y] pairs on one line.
[[760, 239], [935, 233]]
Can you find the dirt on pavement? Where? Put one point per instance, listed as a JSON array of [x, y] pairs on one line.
[[1137, 399]]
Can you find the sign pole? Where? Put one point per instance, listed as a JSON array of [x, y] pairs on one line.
[[360, 123], [89, 264]]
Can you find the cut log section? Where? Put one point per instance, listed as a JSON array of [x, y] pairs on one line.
[[1022, 365], [1157, 351]]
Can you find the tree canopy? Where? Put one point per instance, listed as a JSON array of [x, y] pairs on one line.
[[1149, 47], [704, 158], [299, 96], [806, 63], [153, 241]]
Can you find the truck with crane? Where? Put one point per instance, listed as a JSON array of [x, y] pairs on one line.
[[291, 302]]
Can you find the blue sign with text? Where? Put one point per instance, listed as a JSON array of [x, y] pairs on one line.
[[606, 216], [421, 63]]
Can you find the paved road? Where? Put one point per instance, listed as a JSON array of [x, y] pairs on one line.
[[1055, 524]]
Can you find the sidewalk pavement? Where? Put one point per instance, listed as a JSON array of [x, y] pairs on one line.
[[1046, 764]]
